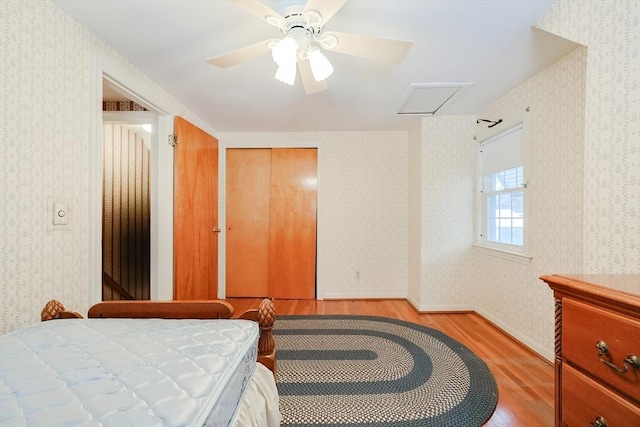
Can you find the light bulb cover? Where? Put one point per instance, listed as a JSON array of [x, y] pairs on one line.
[[286, 73], [321, 68], [286, 50]]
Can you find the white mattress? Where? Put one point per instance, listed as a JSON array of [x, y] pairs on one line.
[[126, 372]]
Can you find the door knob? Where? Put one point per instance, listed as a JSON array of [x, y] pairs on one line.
[[216, 229]]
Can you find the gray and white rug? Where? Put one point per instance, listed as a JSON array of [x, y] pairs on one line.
[[376, 371]]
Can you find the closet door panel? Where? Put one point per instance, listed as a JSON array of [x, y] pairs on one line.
[[248, 208], [292, 242]]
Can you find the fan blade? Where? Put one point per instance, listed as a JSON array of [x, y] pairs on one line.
[[244, 53], [262, 12], [310, 84], [327, 8], [385, 50]]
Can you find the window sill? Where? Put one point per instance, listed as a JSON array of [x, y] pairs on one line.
[[506, 255]]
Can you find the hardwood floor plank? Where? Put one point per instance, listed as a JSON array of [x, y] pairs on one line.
[[525, 380]]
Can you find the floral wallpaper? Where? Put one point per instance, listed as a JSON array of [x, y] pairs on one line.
[[43, 101], [446, 212], [414, 214], [611, 31]]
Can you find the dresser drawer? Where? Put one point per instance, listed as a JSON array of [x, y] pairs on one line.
[[583, 325], [583, 400]]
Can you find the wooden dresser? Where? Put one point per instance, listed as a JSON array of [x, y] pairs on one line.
[[597, 349]]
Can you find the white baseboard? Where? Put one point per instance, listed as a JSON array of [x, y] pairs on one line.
[[535, 347], [543, 352], [441, 308], [360, 296]]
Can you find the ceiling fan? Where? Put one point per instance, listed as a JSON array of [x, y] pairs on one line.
[[303, 42]]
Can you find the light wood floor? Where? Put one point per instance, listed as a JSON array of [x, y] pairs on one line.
[[525, 380]]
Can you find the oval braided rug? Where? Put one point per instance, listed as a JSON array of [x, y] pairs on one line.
[[376, 371]]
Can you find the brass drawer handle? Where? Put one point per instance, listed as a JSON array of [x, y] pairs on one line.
[[599, 422], [631, 360]]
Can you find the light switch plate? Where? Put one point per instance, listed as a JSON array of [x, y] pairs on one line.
[[58, 214]]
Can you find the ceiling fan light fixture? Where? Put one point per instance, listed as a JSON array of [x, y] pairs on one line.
[[328, 41], [286, 73], [320, 65], [285, 51], [313, 18], [276, 21]]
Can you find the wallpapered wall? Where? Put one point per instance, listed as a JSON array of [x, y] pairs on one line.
[[414, 217], [45, 96], [447, 212], [611, 31], [362, 208], [507, 292]]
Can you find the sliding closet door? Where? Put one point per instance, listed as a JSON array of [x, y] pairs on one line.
[[271, 222], [292, 243], [248, 200]]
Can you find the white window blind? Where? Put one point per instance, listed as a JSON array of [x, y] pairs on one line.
[[502, 152]]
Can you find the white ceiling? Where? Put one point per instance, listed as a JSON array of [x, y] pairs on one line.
[[488, 42]]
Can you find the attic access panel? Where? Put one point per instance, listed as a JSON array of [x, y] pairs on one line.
[[427, 98]]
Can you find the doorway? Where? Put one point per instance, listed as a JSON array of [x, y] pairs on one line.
[[126, 214], [126, 197], [271, 221]]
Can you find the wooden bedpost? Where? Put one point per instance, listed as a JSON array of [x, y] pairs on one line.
[[266, 344], [55, 310], [265, 315]]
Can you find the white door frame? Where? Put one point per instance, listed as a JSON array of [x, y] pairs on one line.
[[161, 274]]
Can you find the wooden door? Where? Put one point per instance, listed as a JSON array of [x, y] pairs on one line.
[[292, 241], [195, 213], [271, 222], [248, 200]]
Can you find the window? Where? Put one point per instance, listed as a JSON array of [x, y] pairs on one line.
[[502, 192], [505, 207]]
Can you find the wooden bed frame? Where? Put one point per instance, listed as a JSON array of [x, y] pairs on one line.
[[215, 309]]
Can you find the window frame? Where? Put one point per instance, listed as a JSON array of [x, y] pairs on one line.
[[507, 251]]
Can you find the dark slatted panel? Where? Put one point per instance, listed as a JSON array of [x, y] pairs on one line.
[[126, 214]]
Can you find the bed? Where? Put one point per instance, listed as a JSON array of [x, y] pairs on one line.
[[141, 363]]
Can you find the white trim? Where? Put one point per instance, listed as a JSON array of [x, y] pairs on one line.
[[161, 202], [532, 345], [95, 176], [461, 87], [360, 296], [438, 308], [128, 117], [506, 255], [415, 304], [162, 228]]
